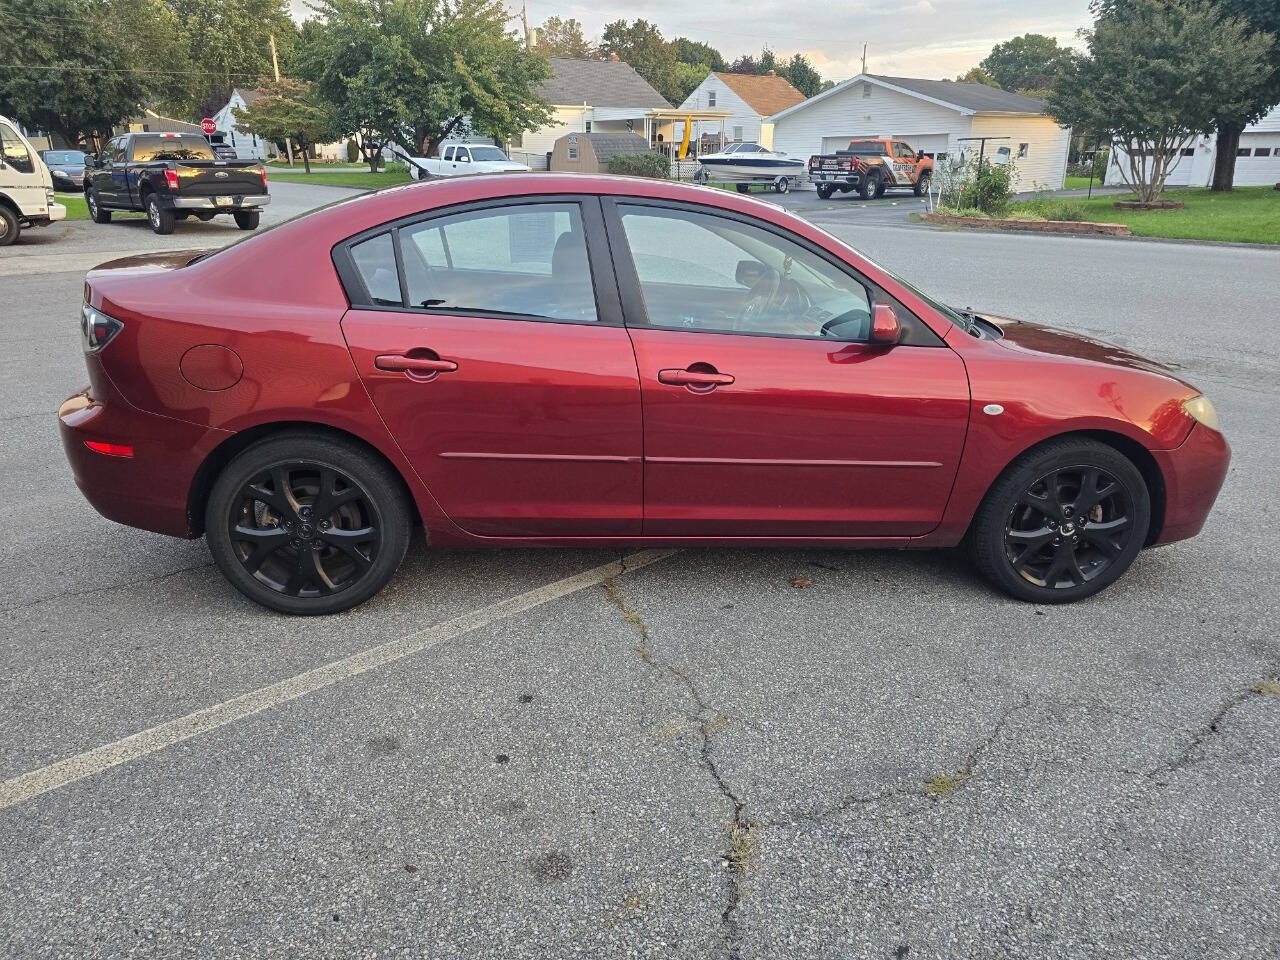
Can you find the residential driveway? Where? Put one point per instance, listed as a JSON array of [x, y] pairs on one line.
[[699, 754]]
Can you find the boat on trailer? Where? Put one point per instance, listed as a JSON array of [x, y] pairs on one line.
[[746, 163]]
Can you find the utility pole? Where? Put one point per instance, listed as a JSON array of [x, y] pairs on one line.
[[524, 19], [275, 66], [864, 58]]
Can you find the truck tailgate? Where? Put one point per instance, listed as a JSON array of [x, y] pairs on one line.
[[199, 178]]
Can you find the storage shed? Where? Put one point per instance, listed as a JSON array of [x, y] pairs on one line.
[[590, 152]]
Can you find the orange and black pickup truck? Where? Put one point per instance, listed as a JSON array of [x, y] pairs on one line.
[[872, 166]]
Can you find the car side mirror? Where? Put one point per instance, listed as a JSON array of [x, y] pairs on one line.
[[886, 328], [919, 154], [463, 159], [749, 272]]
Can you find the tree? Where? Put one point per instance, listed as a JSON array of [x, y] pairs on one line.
[[1262, 17], [696, 53], [417, 71], [1029, 62], [977, 75], [686, 78], [641, 45], [1157, 74], [290, 110], [90, 63], [801, 74], [563, 38]]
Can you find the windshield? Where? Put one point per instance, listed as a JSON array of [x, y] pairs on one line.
[[63, 156], [152, 149], [487, 153]]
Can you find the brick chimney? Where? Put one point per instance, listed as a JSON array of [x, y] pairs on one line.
[[613, 58]]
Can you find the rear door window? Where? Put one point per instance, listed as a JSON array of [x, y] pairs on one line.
[[375, 261]]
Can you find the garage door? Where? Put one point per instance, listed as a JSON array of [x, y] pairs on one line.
[[930, 143], [1258, 162]]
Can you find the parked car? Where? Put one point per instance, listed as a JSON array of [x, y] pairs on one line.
[[173, 176], [578, 360], [26, 187], [459, 161], [66, 167], [872, 166]]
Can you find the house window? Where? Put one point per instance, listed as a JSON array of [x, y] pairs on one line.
[[1262, 152], [517, 141], [866, 91], [711, 98], [1189, 151], [737, 133], [573, 149], [1243, 152], [587, 128], [1023, 149]]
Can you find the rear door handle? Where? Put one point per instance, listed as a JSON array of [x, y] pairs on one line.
[[422, 366], [693, 379]]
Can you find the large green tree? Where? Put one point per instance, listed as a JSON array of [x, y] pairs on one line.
[[290, 110], [1025, 63], [1262, 17], [78, 68], [1157, 74], [417, 71], [800, 73], [977, 75], [563, 38], [640, 43], [695, 53]]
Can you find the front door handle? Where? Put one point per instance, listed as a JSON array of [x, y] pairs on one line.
[[697, 377], [426, 367]]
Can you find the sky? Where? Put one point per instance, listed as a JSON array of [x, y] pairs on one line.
[[931, 39]]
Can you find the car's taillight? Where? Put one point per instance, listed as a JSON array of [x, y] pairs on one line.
[[813, 162], [171, 178], [264, 178], [110, 449], [97, 328]]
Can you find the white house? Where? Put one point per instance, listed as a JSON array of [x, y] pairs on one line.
[[750, 99], [1257, 159], [937, 116], [602, 96], [248, 146]]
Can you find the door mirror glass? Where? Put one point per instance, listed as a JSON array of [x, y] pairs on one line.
[[749, 271], [886, 328]]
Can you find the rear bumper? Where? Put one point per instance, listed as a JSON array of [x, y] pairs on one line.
[[1193, 474], [210, 203], [150, 489]]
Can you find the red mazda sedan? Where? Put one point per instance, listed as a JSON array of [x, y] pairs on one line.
[[567, 360]]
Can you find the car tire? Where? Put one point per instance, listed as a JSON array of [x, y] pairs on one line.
[[744, 188], [824, 191], [881, 187], [247, 219], [161, 220], [1062, 522], [297, 560], [870, 185], [922, 184], [96, 212], [9, 226]]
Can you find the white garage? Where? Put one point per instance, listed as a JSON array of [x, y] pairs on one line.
[[1257, 159], [935, 116]]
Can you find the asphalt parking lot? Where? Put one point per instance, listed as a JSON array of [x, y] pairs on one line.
[[697, 754]]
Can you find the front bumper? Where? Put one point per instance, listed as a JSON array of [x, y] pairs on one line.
[[238, 202], [150, 489], [1193, 474]]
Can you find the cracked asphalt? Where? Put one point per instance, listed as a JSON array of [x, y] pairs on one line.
[[739, 754]]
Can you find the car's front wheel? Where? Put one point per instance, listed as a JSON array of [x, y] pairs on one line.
[[307, 524], [9, 227], [1062, 522], [96, 212]]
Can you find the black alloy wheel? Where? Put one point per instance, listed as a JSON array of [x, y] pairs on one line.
[[1062, 522], [307, 524]]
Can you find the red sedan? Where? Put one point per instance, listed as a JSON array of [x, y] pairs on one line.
[[567, 360]]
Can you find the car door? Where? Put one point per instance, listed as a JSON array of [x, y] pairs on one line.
[[493, 347], [101, 179], [462, 160], [767, 411]]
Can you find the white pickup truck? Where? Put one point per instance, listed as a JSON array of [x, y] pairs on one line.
[[26, 188], [460, 160]]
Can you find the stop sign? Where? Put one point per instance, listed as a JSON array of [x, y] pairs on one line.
[[208, 126]]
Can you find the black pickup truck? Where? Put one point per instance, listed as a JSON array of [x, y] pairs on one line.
[[172, 176]]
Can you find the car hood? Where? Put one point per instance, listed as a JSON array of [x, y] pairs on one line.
[[75, 170], [1034, 338]]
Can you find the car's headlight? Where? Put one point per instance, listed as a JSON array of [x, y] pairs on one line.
[[1202, 411]]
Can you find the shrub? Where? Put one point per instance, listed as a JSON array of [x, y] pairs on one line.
[[990, 189], [652, 165], [353, 151]]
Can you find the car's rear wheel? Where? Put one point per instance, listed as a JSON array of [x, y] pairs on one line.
[[307, 524], [870, 186], [247, 219], [824, 191], [96, 211], [161, 220], [1062, 522]]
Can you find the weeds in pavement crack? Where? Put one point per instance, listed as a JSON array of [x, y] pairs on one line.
[[1191, 753]]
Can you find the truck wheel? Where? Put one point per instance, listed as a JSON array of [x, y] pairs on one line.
[[161, 219], [9, 228], [870, 185], [96, 213], [881, 187], [247, 219], [744, 188], [922, 184], [824, 191]]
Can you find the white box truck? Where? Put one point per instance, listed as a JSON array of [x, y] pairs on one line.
[[26, 188]]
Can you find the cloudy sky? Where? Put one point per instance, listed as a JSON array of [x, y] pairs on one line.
[[934, 39], [916, 38]]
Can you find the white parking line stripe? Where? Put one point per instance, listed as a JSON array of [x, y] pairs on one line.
[[95, 761]]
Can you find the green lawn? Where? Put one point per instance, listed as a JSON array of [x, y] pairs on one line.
[[74, 202], [1080, 183], [1245, 215], [365, 180]]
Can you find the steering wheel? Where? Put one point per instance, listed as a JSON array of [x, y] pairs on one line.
[[760, 298]]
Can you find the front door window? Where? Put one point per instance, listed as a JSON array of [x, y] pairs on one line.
[[16, 154]]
